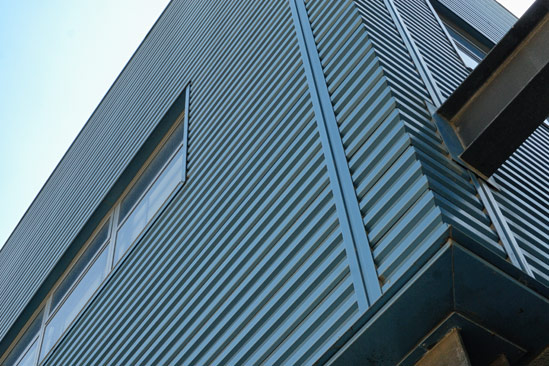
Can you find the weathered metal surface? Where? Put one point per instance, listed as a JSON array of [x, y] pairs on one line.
[[501, 360], [449, 351], [542, 359], [455, 289]]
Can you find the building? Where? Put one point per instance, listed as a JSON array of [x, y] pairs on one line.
[[270, 183]]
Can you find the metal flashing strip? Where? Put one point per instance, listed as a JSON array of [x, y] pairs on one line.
[[445, 30], [502, 228], [415, 54], [357, 246]]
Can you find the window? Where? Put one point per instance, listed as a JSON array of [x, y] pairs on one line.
[[469, 53], [161, 175], [469, 50], [25, 351]]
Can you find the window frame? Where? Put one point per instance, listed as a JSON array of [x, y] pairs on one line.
[[464, 44]]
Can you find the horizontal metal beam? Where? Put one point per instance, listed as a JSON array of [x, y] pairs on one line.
[[505, 98]]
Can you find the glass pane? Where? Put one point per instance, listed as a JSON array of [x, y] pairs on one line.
[[80, 265], [30, 357], [149, 205], [464, 42], [165, 184], [131, 229], [74, 303], [25, 340], [148, 175]]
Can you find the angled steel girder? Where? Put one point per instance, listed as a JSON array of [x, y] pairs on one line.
[[504, 99]]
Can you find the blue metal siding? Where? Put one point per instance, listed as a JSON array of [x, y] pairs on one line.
[[247, 265], [454, 192], [253, 262], [127, 115], [398, 210], [432, 42], [522, 178], [524, 199]]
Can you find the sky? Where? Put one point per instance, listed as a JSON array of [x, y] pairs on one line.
[[58, 58]]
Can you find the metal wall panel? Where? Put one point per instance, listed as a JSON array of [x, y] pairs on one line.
[[454, 192], [432, 42], [486, 16], [524, 199], [247, 264], [523, 178], [398, 209]]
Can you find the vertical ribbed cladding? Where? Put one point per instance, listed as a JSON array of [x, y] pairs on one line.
[[398, 209], [430, 38], [247, 264], [455, 194], [488, 17], [524, 199]]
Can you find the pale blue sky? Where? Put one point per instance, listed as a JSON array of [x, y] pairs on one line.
[[57, 60]]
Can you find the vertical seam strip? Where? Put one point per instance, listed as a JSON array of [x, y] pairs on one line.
[[502, 228], [415, 54], [357, 246]]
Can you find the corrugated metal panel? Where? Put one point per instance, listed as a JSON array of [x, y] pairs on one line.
[[524, 199], [392, 191], [432, 42], [454, 192], [486, 16], [523, 178], [247, 265], [361, 262]]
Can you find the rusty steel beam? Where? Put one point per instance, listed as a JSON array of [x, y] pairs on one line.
[[505, 98]]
